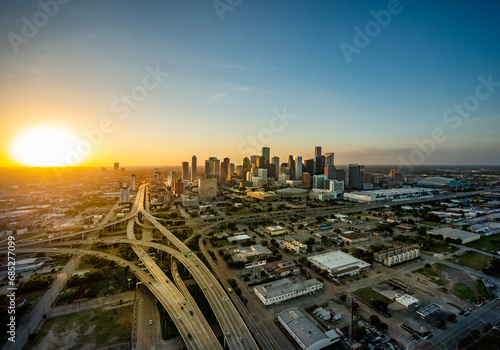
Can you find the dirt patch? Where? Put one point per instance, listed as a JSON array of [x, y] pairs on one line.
[[455, 276]]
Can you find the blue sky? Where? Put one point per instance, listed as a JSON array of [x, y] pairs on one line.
[[225, 78]]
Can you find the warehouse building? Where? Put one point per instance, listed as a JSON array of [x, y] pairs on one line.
[[393, 194], [305, 333], [339, 264], [448, 232], [286, 289]]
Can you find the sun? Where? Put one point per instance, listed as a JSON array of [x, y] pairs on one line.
[[45, 146]]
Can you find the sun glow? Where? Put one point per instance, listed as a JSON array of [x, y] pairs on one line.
[[44, 146]]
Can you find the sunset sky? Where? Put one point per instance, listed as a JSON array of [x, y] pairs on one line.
[[205, 79]]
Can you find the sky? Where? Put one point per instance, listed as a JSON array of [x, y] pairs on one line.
[[155, 82]]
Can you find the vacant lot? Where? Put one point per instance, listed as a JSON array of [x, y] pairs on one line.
[[464, 292], [367, 295], [94, 329], [476, 261], [486, 243]]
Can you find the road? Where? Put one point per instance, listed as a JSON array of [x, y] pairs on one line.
[[449, 337], [31, 320]]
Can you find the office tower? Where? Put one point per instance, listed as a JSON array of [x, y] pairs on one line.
[[276, 162], [240, 170], [329, 159], [306, 180], [172, 177], [291, 162], [320, 182], [124, 195], [397, 175], [207, 168], [271, 170], [330, 172], [317, 151], [122, 170], [253, 159], [132, 182], [207, 188], [247, 165], [231, 172], [194, 168], [185, 171], [178, 187], [266, 154], [356, 176], [298, 168], [261, 162], [213, 167], [117, 167], [340, 175], [320, 165], [224, 170], [262, 174], [309, 166]]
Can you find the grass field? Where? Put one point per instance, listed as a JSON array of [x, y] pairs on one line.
[[463, 292], [368, 294], [481, 289], [430, 223], [486, 243], [97, 328], [476, 261], [427, 271]]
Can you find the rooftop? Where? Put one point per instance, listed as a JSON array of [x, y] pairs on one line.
[[337, 260], [452, 233], [284, 286]]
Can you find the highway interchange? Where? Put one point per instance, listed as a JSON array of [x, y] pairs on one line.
[[183, 310]]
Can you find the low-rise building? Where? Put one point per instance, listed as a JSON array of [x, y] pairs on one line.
[[295, 246], [307, 335], [239, 238], [353, 237], [339, 264], [286, 289], [396, 256], [276, 230], [406, 300]]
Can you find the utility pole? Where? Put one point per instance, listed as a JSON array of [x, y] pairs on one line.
[[352, 316]]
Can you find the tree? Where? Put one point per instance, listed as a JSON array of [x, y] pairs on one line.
[[451, 317], [309, 240], [380, 305], [476, 333], [383, 326], [358, 333], [375, 320]]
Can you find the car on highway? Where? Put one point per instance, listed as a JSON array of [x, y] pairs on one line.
[[189, 336], [150, 321]]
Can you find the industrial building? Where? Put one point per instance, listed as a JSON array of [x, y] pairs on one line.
[[339, 264], [439, 182], [397, 255], [305, 333], [239, 238], [275, 230], [286, 289], [393, 194], [453, 233]]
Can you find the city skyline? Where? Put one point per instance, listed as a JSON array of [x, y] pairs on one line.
[[377, 83]]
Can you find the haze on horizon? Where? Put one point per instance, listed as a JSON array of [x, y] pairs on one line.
[[225, 81]]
